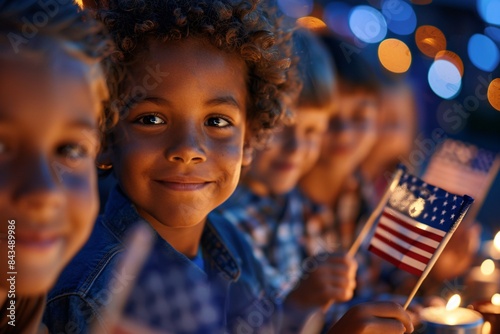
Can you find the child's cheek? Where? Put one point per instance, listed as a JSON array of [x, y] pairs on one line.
[[82, 209], [228, 155]]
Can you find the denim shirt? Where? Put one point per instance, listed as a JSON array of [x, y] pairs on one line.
[[171, 293]]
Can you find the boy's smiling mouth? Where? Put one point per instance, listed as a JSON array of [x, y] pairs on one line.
[[184, 183], [39, 240]]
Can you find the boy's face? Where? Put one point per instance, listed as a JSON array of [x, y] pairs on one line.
[[178, 152], [351, 132], [292, 151], [48, 190]]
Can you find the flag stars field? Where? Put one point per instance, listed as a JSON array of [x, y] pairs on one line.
[[432, 197], [409, 230]]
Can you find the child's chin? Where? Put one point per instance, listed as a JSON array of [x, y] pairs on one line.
[[34, 286]]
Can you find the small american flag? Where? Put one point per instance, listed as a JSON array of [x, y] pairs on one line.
[[414, 222], [461, 168]]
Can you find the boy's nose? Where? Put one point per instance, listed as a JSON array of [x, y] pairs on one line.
[[40, 188], [291, 140], [186, 148]]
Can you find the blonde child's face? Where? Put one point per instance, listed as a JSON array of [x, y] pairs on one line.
[[48, 191], [351, 131], [292, 151], [178, 152]]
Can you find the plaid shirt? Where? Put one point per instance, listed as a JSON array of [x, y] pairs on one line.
[[283, 231]]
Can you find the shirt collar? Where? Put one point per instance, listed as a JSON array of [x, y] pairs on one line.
[[217, 249]]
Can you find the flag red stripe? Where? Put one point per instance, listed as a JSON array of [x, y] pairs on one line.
[[401, 249], [415, 229], [403, 237], [410, 269], [397, 263]]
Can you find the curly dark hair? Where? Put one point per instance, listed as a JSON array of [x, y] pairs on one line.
[[242, 27], [41, 29]]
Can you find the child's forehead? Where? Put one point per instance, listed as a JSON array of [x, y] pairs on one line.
[[173, 69], [39, 85], [194, 51]]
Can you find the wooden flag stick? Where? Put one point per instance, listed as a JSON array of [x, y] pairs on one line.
[[465, 207], [371, 220]]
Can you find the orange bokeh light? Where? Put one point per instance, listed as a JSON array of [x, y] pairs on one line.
[[311, 23], [394, 55], [494, 93], [430, 40], [453, 58]]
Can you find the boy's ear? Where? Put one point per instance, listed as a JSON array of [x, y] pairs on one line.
[[104, 158], [247, 154]]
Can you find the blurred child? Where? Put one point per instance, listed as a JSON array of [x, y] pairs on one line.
[[272, 212], [335, 180], [196, 83], [351, 133], [51, 93]]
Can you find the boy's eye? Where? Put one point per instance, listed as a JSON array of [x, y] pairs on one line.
[[218, 122], [313, 131], [150, 120], [73, 151]]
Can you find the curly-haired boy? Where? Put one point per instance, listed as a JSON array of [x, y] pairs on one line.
[[196, 84]]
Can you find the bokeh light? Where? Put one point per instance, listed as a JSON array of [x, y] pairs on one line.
[[483, 52], [494, 93], [444, 79], [400, 16], [394, 55], [493, 33], [336, 16], [489, 10], [296, 8], [453, 58], [487, 267], [311, 23], [430, 40], [367, 24]]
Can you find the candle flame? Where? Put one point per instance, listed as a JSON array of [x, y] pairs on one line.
[[487, 267], [496, 241], [454, 302], [486, 328], [495, 300]]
